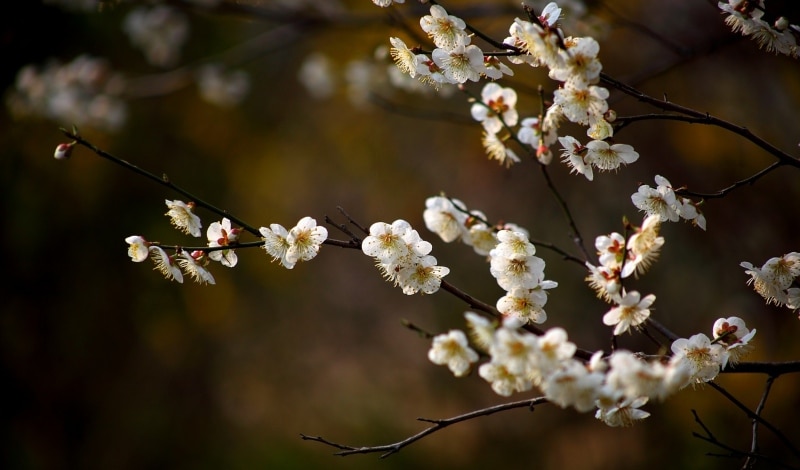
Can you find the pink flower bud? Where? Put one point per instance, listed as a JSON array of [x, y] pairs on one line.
[[63, 151]]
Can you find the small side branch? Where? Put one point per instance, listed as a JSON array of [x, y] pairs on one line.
[[438, 424], [702, 118], [732, 452], [756, 418]]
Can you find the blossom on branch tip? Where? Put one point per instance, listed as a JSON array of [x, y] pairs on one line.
[[138, 248], [661, 200], [774, 279], [183, 218], [64, 150], [453, 350]]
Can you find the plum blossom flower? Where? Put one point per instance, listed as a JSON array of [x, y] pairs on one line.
[[304, 240], [461, 63], [580, 63], [581, 104], [526, 304], [496, 150], [423, 276], [631, 311], [403, 257], [504, 382], [191, 265], [403, 57], [660, 201], [773, 280], [572, 384], [183, 218], [386, 3], [623, 413], [453, 350], [221, 234], [497, 107], [576, 156], [447, 31], [443, 218], [275, 243], [703, 358], [734, 335], [138, 248], [604, 280], [607, 157], [644, 246], [166, 264]]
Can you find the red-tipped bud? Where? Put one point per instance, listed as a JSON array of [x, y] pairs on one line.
[[63, 151]]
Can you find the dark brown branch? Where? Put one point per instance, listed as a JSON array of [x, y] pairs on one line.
[[702, 118], [750, 462], [576, 234], [162, 180], [722, 192], [782, 437], [438, 424], [732, 452]]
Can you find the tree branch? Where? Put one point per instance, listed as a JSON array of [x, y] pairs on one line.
[[438, 424]]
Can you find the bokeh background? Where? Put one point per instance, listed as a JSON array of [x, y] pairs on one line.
[[108, 365]]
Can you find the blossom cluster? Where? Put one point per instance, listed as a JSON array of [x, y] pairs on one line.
[[159, 31], [663, 202], [777, 279], [619, 259], [511, 256], [615, 386], [300, 243], [746, 17], [451, 220], [85, 92], [455, 60], [403, 257]]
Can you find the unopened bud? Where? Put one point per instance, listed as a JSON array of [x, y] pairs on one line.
[[63, 151]]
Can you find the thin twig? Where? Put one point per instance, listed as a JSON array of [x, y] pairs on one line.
[[754, 444], [789, 444], [438, 424], [162, 180]]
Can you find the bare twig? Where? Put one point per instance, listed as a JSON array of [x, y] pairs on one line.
[[755, 417], [438, 424], [750, 462]]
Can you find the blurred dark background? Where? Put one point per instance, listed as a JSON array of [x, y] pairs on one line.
[[108, 365]]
